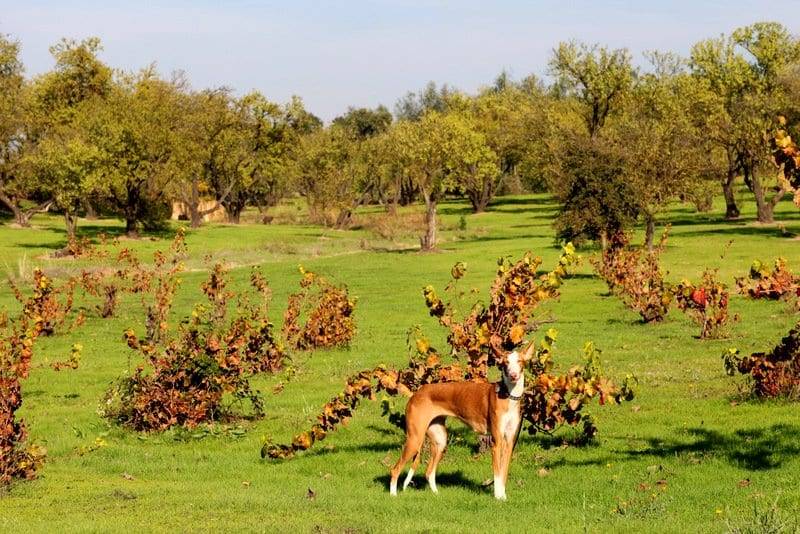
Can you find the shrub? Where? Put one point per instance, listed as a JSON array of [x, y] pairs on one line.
[[635, 275], [49, 304], [17, 459], [763, 283], [774, 374], [327, 310], [613, 264], [186, 377], [706, 303]]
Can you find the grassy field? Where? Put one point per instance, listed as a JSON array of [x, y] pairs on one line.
[[687, 455]]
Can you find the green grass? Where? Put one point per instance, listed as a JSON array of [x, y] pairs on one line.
[[673, 460]]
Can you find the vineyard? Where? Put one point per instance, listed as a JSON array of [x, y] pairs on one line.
[[116, 440]]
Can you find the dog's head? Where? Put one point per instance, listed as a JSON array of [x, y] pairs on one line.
[[514, 364]]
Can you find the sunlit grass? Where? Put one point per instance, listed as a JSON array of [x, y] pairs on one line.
[[686, 456]]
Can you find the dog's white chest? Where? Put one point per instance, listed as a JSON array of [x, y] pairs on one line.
[[509, 423]]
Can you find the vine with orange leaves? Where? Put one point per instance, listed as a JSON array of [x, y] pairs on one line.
[[479, 340], [765, 283], [327, 309], [187, 374], [706, 303], [42, 311], [635, 275], [786, 156]]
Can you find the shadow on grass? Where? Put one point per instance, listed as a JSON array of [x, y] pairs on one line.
[[757, 449], [741, 230], [446, 479], [93, 232]]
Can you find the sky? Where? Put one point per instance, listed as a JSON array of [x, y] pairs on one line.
[[336, 54]]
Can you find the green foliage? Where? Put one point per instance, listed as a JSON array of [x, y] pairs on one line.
[[597, 77], [597, 201], [363, 123]]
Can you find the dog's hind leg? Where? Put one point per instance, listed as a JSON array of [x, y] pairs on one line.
[[437, 437]]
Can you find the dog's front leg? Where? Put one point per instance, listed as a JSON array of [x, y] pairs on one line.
[[500, 466]]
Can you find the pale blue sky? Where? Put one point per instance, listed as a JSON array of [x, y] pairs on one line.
[[363, 53]]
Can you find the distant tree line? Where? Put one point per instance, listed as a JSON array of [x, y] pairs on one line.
[[613, 143]]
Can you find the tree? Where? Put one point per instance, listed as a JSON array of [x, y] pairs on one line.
[[15, 189], [413, 106], [511, 122], [59, 154], [435, 153], [137, 130], [212, 152], [271, 146], [68, 164], [597, 201], [363, 123], [300, 119], [744, 70], [596, 77], [336, 174], [661, 138]]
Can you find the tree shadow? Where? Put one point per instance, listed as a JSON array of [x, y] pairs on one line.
[[517, 201], [743, 230], [94, 232], [756, 449], [395, 250], [446, 479]]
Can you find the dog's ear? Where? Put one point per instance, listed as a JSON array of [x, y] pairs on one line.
[[529, 351]]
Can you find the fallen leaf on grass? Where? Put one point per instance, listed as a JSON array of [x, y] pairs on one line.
[[636, 408], [744, 483], [246, 483], [127, 476], [311, 494], [543, 472], [487, 482]]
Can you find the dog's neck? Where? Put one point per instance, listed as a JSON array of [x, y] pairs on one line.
[[514, 389]]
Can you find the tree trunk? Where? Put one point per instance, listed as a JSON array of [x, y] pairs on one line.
[[731, 210], [650, 230], [765, 209], [344, 219], [603, 240], [90, 211], [132, 209], [428, 241], [71, 222], [265, 218], [23, 217], [234, 207], [130, 226], [408, 193]]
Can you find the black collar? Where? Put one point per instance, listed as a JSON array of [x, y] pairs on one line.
[[503, 391]]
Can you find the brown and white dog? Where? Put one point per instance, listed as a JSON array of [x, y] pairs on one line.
[[493, 408]]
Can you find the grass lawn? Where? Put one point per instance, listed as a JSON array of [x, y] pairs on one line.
[[687, 455]]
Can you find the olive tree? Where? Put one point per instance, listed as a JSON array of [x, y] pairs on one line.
[[436, 153]]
